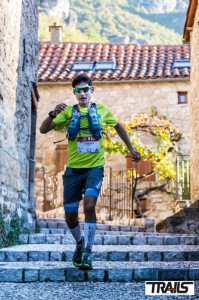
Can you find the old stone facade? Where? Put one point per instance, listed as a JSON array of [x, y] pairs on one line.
[[194, 109], [18, 73], [125, 99]]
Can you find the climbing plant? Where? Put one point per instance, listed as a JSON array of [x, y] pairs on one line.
[[161, 152]]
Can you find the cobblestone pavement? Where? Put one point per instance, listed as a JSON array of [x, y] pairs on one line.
[[82, 291]]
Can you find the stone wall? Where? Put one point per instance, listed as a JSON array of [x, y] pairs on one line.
[[125, 100], [18, 61], [194, 109]]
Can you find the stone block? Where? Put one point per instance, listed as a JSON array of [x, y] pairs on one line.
[[98, 240], [124, 240], [67, 256], [120, 275], [38, 256], [193, 274], [11, 275], [141, 274], [42, 224], [36, 239], [193, 256], [155, 240], [52, 275], [52, 225], [23, 238], [188, 240], [99, 256], [135, 228], [110, 240], [62, 226], [171, 240], [115, 227], [31, 275], [174, 256], [45, 230], [12, 256], [173, 274], [57, 231], [125, 228], [116, 256], [103, 227], [96, 275], [53, 239], [139, 240], [67, 239], [56, 256], [154, 256], [136, 256], [2, 256], [75, 275]]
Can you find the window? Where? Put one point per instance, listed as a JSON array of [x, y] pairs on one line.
[[83, 66], [180, 64], [95, 66], [105, 65], [182, 97]]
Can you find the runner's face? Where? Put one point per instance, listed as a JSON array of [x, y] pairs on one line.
[[83, 97]]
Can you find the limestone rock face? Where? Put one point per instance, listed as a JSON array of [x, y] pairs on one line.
[[60, 11], [161, 6]]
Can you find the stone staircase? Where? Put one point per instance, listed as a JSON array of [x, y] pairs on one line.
[[120, 254]]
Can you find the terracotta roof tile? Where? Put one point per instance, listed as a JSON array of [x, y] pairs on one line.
[[133, 62]]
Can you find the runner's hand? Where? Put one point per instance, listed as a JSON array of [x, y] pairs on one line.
[[135, 156], [58, 108]]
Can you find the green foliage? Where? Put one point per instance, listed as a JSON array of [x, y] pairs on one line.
[[99, 20], [9, 232], [161, 152]]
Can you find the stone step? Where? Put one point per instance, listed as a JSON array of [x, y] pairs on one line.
[[105, 227], [113, 239], [102, 271], [63, 231], [138, 253], [108, 232]]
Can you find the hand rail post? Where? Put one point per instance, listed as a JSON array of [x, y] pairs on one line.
[[110, 193]]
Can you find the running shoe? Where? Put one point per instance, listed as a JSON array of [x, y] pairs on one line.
[[86, 263], [77, 256]]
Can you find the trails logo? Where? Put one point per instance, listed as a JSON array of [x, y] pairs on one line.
[[169, 287]]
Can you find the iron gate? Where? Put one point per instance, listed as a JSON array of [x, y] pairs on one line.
[[116, 195], [183, 178]]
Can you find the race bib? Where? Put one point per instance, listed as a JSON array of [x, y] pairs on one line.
[[88, 144]]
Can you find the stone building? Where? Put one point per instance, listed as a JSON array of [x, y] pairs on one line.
[[128, 78], [18, 101], [191, 35]]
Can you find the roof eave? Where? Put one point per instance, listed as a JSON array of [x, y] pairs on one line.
[[188, 27], [187, 78]]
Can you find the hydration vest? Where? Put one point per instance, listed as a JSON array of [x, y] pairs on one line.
[[74, 125]]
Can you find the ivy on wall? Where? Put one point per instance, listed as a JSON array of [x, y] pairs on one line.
[[10, 232]]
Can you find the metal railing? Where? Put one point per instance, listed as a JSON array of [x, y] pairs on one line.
[[183, 178], [117, 194], [116, 197]]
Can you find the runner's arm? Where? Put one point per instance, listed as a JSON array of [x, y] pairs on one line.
[[124, 136], [48, 124]]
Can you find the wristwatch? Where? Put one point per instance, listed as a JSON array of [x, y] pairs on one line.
[[51, 114]]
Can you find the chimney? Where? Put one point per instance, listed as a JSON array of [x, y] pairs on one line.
[[56, 33]]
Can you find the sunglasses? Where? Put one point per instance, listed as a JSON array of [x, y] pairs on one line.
[[82, 89]]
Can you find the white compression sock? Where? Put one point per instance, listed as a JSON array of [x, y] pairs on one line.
[[89, 233], [76, 233]]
